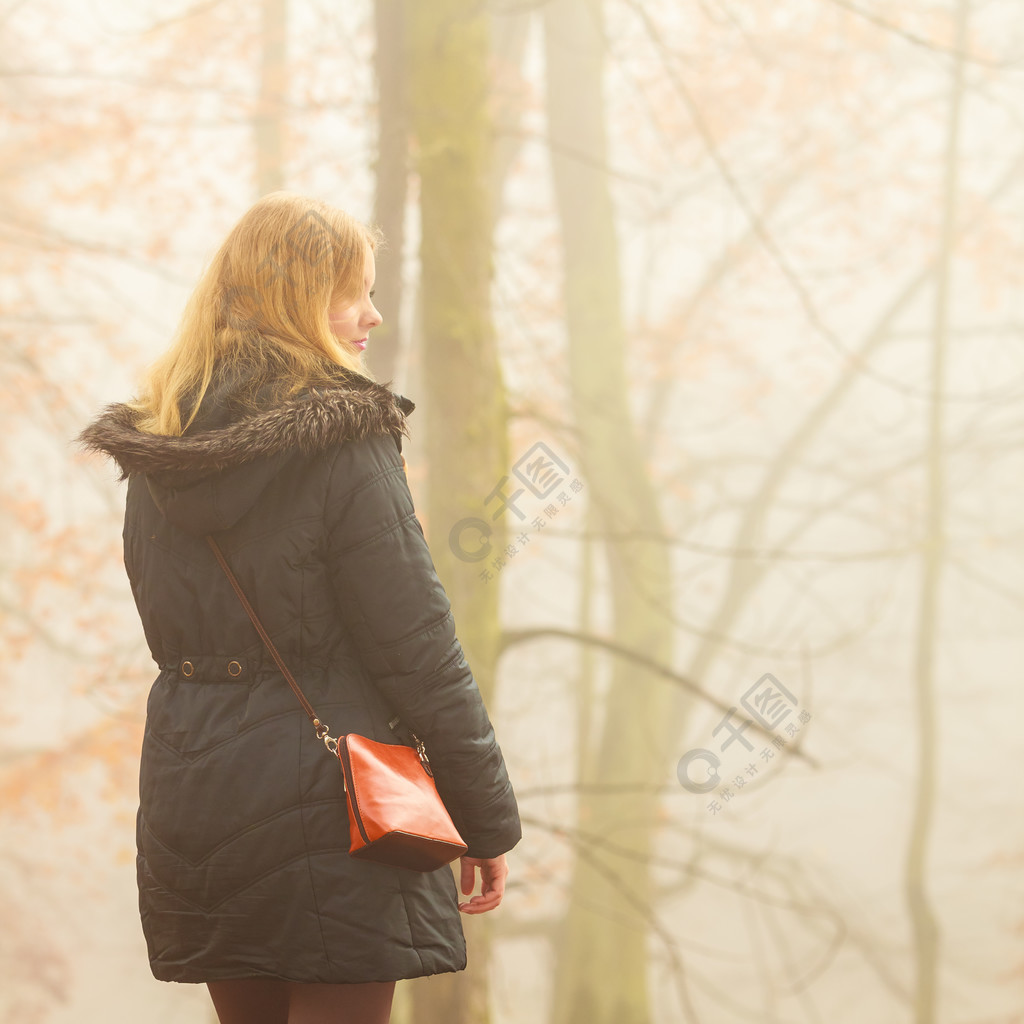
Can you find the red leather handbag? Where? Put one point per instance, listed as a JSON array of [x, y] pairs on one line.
[[395, 813]]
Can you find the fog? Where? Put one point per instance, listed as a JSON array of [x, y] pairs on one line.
[[749, 276]]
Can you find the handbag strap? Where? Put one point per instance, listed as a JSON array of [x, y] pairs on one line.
[[321, 729]]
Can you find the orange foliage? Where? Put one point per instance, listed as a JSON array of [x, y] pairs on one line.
[[50, 781]]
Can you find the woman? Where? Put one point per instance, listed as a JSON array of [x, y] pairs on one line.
[[261, 426]]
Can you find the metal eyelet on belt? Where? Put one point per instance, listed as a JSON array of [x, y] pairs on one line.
[[188, 669], [234, 668]]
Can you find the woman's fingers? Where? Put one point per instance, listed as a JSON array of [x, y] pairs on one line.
[[493, 872], [468, 874], [480, 904]]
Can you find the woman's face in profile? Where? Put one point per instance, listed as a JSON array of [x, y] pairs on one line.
[[352, 322]]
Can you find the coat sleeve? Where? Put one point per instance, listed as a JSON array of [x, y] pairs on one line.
[[399, 615]]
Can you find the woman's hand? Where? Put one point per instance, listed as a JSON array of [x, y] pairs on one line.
[[493, 872]]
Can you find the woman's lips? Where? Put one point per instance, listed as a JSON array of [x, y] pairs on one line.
[[360, 344]]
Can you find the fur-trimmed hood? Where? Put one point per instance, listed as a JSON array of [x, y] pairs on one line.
[[207, 478]]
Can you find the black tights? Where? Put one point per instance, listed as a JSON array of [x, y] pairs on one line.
[[269, 1001]]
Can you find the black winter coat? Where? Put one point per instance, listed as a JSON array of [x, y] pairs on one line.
[[242, 832]]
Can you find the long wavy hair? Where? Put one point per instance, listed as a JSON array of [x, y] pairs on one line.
[[259, 312]]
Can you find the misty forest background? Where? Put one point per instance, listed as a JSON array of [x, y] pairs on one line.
[[747, 275]]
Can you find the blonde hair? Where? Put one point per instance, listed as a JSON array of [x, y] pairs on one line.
[[261, 309]]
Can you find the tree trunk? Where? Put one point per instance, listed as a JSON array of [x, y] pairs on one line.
[[466, 422], [392, 170], [602, 959], [922, 919], [268, 122]]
